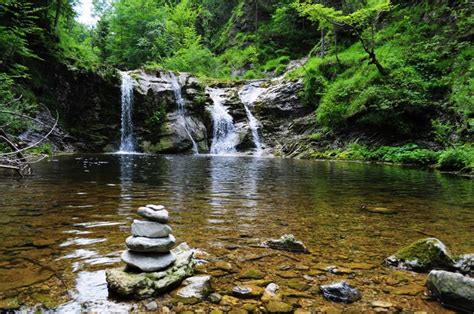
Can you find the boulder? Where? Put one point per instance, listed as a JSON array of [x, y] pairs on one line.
[[287, 242], [465, 264], [150, 245], [148, 262], [160, 216], [194, 289], [452, 289], [150, 229], [128, 284], [422, 255], [340, 292]]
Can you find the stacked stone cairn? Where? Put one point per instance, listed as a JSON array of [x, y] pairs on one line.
[[151, 241]]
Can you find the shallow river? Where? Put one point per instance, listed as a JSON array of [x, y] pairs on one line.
[[64, 225]]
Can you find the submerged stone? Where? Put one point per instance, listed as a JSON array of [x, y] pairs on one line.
[[465, 264], [161, 216], [340, 292], [150, 229], [148, 262], [129, 284], [195, 289], [378, 210], [287, 242], [422, 255], [247, 292], [278, 307], [150, 245], [452, 289]]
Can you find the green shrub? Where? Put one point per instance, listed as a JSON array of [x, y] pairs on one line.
[[457, 159]]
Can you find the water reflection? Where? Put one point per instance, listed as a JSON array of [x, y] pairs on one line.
[[74, 214]]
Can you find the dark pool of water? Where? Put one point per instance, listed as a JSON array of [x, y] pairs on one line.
[[64, 225]]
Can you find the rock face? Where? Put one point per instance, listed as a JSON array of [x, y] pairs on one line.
[[143, 285], [287, 242], [340, 292], [422, 255], [452, 289], [281, 118]]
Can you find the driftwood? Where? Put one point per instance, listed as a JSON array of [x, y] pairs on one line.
[[18, 159]]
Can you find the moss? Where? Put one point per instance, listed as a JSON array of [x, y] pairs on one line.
[[423, 255]]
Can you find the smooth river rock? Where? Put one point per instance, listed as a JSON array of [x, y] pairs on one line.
[[148, 262], [195, 289], [155, 207], [422, 255], [150, 245], [287, 242], [161, 216], [340, 292], [129, 284], [150, 229], [452, 289]]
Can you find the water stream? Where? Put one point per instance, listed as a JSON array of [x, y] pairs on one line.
[[127, 140], [225, 137], [74, 214], [248, 94], [181, 111]]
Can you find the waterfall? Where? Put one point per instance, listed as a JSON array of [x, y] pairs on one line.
[[181, 112], [126, 141], [248, 94], [225, 137]]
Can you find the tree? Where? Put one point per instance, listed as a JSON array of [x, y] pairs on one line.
[[361, 23]]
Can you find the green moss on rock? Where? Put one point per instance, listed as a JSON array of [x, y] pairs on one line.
[[422, 255]]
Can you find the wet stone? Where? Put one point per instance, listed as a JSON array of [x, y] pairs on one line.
[[251, 274], [340, 292], [150, 229], [155, 207], [247, 292], [422, 255], [160, 216], [150, 245], [148, 262], [452, 289], [195, 289], [287, 242]]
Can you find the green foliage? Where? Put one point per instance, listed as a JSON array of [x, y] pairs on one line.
[[457, 159], [11, 105], [157, 118], [42, 149]]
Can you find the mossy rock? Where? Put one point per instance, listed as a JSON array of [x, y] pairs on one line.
[[421, 256]]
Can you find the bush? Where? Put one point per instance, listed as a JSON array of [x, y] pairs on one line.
[[457, 159]]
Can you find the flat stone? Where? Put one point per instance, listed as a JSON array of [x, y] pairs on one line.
[[161, 216], [155, 207], [247, 292], [278, 307], [148, 262], [287, 242], [411, 290], [340, 292], [150, 245], [383, 304], [143, 285], [251, 274], [452, 289], [150, 229], [465, 264], [195, 289]]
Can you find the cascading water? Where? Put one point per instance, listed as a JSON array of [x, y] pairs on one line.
[[248, 94], [181, 112], [126, 141], [225, 137]]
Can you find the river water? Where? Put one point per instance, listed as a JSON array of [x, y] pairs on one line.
[[68, 222]]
